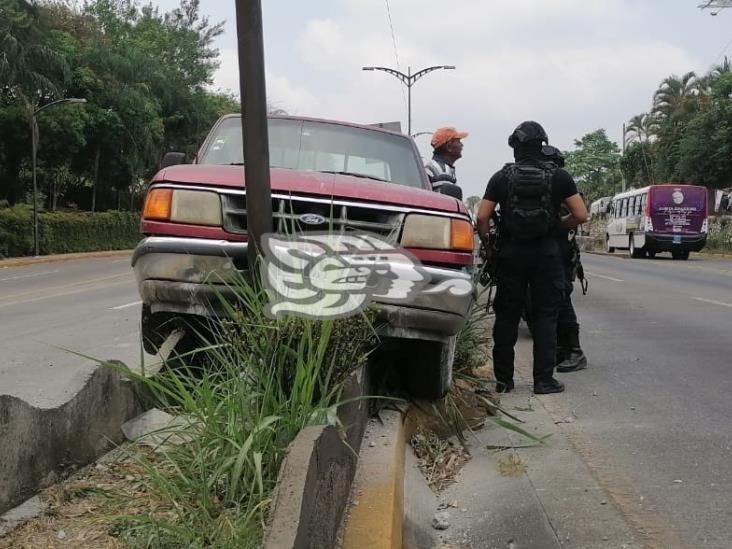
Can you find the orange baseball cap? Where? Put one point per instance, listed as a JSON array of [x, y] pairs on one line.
[[443, 135]]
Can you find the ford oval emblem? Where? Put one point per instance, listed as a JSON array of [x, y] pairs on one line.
[[312, 219]]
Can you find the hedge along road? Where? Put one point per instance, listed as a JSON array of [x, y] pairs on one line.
[[89, 306]]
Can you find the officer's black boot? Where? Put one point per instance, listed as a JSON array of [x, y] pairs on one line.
[[563, 346], [548, 386], [575, 359]]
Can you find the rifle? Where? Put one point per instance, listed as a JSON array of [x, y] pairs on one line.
[[489, 251], [578, 271]]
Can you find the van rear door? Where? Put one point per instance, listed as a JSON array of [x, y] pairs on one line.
[[678, 209]]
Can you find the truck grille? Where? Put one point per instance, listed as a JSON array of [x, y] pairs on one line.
[[288, 213]]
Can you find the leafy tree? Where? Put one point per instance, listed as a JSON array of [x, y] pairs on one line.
[[595, 165], [472, 203], [145, 75], [705, 149]]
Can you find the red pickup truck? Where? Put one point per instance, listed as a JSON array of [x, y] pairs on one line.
[[345, 176]]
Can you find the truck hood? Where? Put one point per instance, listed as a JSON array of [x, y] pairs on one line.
[[314, 183]]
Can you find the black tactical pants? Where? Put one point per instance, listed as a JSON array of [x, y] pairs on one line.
[[537, 266], [567, 318]]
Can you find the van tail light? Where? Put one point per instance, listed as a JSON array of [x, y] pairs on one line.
[[158, 204], [649, 224], [705, 226]]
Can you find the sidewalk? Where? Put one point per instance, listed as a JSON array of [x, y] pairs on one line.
[[538, 497]]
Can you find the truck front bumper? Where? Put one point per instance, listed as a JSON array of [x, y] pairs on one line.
[[192, 276]]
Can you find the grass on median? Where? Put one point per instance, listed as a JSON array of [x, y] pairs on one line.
[[264, 380]]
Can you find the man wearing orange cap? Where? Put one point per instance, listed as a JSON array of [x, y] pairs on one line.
[[448, 148]]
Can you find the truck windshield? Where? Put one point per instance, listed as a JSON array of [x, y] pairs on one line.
[[323, 147]]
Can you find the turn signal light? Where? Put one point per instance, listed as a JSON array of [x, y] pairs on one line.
[[461, 235], [158, 204]]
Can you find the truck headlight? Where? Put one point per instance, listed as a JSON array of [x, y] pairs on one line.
[[436, 232], [183, 206]]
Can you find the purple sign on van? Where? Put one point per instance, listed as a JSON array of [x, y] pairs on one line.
[[678, 209]]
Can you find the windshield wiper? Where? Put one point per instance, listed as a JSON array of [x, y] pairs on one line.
[[361, 175]]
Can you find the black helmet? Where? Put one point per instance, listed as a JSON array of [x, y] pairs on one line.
[[527, 131], [553, 155]]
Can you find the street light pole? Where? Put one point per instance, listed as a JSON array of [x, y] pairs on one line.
[[409, 102], [35, 140], [409, 80]]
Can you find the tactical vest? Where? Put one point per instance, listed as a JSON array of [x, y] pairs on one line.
[[529, 212]]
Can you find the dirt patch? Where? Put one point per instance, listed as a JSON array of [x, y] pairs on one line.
[[83, 511], [511, 466], [439, 460], [439, 435]]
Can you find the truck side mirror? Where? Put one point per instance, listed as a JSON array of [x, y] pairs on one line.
[[172, 159], [451, 189]]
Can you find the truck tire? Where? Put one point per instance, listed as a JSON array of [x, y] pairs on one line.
[[428, 368], [155, 328], [633, 252], [610, 249]]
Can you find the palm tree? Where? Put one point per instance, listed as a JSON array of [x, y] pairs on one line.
[[642, 128], [675, 94], [707, 81], [28, 66]]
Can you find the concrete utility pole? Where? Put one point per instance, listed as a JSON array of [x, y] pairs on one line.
[[409, 80], [255, 135]]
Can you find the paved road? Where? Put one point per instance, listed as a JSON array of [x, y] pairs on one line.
[[654, 410], [89, 306]]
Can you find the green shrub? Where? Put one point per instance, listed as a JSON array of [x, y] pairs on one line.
[[61, 233]]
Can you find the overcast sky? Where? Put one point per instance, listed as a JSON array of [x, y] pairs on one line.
[[573, 65]]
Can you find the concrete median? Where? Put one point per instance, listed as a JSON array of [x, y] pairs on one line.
[[40, 445]]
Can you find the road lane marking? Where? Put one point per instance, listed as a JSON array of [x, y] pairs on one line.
[[125, 306], [28, 275], [63, 287], [713, 302], [71, 290], [604, 276]]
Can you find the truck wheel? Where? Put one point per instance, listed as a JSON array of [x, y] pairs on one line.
[[634, 252], [428, 368], [155, 328], [610, 249]]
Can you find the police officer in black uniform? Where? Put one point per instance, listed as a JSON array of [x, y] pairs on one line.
[[570, 356], [530, 192]]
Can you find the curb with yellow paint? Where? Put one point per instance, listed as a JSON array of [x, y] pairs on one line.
[[377, 508]]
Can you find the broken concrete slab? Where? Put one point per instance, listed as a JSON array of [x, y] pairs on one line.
[[24, 512], [157, 429], [40, 445]]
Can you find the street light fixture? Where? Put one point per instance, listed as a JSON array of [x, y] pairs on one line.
[[35, 139], [409, 80]]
